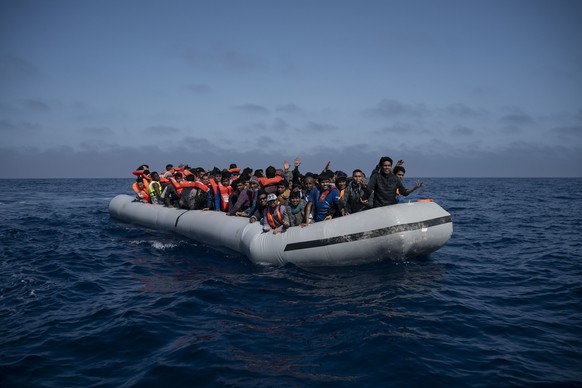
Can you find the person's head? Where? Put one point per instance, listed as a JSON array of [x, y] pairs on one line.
[[178, 176], [296, 188], [205, 179], [139, 181], [238, 185], [358, 177], [232, 165], [169, 167], [294, 198], [143, 167], [270, 172], [385, 164], [155, 176], [254, 183], [190, 178], [194, 172], [259, 173], [324, 182], [272, 200], [341, 182], [282, 186], [225, 179], [399, 171], [262, 198], [308, 182], [216, 175]]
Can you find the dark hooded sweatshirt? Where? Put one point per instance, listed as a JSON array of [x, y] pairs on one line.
[[384, 187]]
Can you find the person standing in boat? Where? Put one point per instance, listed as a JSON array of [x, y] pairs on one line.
[[385, 184]]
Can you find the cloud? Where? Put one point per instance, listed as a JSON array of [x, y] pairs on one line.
[[266, 141], [291, 109], [480, 92], [252, 108], [574, 130], [226, 58], [198, 88], [201, 144], [6, 108], [437, 159], [517, 119], [313, 127], [463, 111], [36, 105], [510, 130], [13, 68], [395, 129], [99, 131], [15, 127], [161, 130], [392, 108], [462, 131], [277, 125]]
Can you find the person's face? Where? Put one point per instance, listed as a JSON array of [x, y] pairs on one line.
[[387, 167], [240, 186], [205, 179], [262, 199], [324, 183], [358, 178], [272, 204], [140, 185], [295, 201], [225, 182], [254, 185], [341, 185], [309, 182], [400, 175], [281, 189]]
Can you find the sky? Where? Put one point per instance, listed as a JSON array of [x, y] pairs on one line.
[[461, 88]]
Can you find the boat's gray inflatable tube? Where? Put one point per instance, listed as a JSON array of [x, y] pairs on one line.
[[392, 232]]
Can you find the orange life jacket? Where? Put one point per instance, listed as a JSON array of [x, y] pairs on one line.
[[277, 215], [225, 192], [145, 197]]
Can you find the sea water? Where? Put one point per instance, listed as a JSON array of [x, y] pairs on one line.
[[86, 300]]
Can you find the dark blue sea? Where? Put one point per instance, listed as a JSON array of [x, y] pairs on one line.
[[88, 301]]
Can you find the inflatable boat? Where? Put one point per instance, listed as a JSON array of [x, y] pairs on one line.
[[399, 231]]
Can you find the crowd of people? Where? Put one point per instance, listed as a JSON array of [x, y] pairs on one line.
[[277, 198]]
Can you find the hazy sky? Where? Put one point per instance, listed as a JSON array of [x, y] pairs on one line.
[[455, 88]]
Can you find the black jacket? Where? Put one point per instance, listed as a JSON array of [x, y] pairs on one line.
[[384, 187]]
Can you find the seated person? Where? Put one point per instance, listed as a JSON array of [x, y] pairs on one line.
[[356, 195], [274, 216], [327, 201], [296, 209]]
